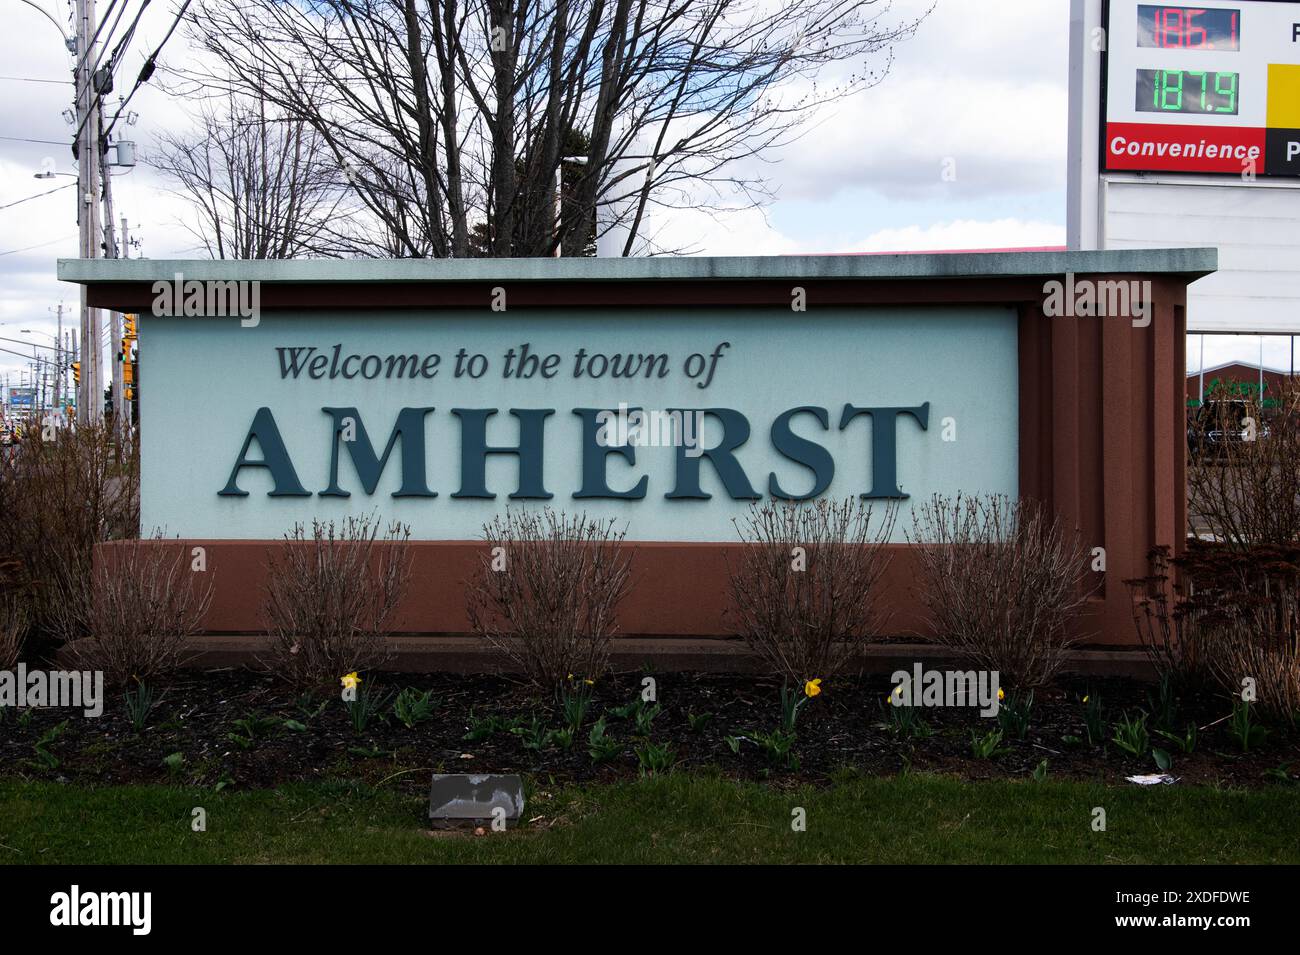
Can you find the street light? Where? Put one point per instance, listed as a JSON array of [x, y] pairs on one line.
[[68, 41]]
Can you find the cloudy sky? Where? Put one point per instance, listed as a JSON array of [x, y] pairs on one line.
[[980, 90]]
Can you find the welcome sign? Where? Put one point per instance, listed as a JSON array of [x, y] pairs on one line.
[[671, 421], [669, 395]]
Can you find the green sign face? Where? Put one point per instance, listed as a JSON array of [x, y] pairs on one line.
[[673, 422]]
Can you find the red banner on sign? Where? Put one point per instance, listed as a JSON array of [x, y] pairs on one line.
[[1152, 147]]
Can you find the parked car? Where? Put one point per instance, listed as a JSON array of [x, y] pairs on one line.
[[1207, 436]]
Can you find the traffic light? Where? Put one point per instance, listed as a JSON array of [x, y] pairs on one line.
[[128, 374], [129, 326], [76, 371]]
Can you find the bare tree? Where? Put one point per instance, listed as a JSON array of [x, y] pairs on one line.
[[262, 186], [455, 117]]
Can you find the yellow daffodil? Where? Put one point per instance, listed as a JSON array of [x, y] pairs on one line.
[[1001, 695], [1085, 699], [350, 681], [589, 682], [812, 687]]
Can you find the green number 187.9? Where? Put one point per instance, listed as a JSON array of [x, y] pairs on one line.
[[1205, 92]]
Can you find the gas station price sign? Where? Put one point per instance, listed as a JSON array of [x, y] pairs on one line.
[[1206, 88]]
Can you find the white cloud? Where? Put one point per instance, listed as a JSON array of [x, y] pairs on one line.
[[750, 233], [963, 234], [739, 232], [981, 89], [935, 139]]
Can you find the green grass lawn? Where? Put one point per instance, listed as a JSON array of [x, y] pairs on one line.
[[674, 818]]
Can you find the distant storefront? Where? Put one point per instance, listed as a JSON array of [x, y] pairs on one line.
[[1234, 380]]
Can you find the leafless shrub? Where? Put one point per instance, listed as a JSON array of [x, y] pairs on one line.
[[331, 597], [13, 615], [805, 593], [147, 604], [59, 498], [1176, 643], [13, 628], [1002, 581], [1246, 649], [1243, 485], [1233, 609], [546, 593], [1219, 615]]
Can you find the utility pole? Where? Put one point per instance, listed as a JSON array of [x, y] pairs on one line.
[[72, 351], [111, 251], [128, 407], [90, 397], [60, 366]]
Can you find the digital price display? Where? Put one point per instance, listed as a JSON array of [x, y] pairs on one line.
[[1206, 88], [1187, 91], [1188, 28]]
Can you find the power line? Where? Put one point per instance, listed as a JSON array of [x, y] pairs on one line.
[[43, 142], [39, 245], [37, 196], [83, 54], [112, 60], [150, 65], [23, 355], [30, 79], [53, 348], [113, 29]]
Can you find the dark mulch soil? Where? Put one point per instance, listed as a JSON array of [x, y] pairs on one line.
[[845, 727]]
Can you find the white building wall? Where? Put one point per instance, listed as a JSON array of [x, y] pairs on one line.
[[1255, 226]]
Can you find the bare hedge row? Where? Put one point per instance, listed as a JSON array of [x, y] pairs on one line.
[[1002, 580]]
